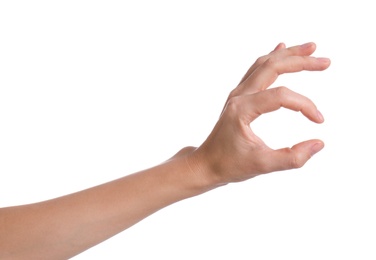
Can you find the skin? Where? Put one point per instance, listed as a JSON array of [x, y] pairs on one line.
[[66, 226]]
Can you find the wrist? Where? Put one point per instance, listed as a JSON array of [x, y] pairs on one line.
[[202, 171]]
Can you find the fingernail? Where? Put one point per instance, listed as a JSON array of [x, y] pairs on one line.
[[320, 116], [317, 147], [306, 45], [325, 60]]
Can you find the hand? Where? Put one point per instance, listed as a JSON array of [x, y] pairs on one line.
[[232, 152]]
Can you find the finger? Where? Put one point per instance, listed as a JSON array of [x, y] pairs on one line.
[[272, 99], [291, 158], [260, 61], [280, 51], [279, 47], [268, 72]]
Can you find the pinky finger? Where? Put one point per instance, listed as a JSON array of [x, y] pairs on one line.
[[280, 46], [261, 60]]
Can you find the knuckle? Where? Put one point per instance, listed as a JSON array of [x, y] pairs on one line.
[[281, 92], [271, 62], [261, 60], [296, 161], [234, 103], [233, 93]]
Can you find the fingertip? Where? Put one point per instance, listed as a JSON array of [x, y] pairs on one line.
[[320, 117], [305, 150], [325, 61], [316, 147], [308, 45], [280, 46]]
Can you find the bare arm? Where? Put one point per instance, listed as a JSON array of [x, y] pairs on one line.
[[63, 227]]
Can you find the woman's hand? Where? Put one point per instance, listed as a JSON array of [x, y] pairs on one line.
[[232, 152]]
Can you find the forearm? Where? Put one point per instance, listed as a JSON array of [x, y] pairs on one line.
[[66, 226]]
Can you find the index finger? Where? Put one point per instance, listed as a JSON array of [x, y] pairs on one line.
[[272, 99]]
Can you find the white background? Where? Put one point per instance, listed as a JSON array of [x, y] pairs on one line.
[[94, 90]]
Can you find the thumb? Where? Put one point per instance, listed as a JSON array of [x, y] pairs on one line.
[[294, 157]]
